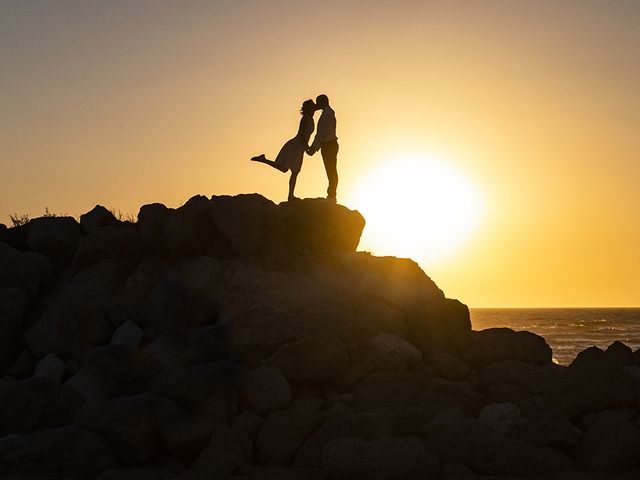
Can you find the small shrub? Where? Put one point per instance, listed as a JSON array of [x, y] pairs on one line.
[[19, 220], [124, 216], [47, 213]]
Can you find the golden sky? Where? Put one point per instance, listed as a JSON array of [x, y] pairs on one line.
[[534, 103]]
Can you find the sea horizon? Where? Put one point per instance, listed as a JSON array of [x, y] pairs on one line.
[[567, 330]]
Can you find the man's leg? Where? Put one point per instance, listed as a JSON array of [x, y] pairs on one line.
[[330, 158]]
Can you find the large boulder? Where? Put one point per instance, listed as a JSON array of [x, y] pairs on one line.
[[13, 303], [131, 425], [64, 452], [313, 360], [501, 418], [74, 314], [36, 403], [157, 295], [620, 353], [490, 453], [263, 390], [228, 449], [186, 436], [437, 324], [151, 222], [120, 244], [283, 432], [65, 331], [449, 366], [528, 376], [397, 348], [497, 344], [190, 231], [383, 459], [97, 217], [248, 221], [27, 271], [315, 225], [367, 426], [550, 428], [203, 389], [51, 367], [206, 344], [591, 383], [56, 238], [115, 370], [378, 391], [612, 444]]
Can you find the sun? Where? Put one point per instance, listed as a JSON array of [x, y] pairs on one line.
[[416, 206]]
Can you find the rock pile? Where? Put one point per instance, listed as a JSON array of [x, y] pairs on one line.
[[236, 338]]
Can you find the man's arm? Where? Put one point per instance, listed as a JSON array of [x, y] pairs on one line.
[[321, 134]]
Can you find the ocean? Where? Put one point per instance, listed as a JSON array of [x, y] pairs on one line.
[[567, 330]]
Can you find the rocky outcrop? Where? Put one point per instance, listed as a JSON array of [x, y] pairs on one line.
[[235, 338]]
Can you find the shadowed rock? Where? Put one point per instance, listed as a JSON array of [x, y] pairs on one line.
[[496, 344], [201, 340], [131, 425], [56, 238], [120, 244], [263, 390], [620, 353], [283, 432], [612, 444], [383, 459], [315, 360], [13, 302], [591, 383], [65, 452], [247, 221], [36, 403], [27, 271], [97, 217]]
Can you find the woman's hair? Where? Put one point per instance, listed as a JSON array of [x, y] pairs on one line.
[[308, 107]]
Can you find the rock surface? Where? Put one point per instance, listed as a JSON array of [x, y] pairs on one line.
[[235, 338], [384, 459], [64, 452]]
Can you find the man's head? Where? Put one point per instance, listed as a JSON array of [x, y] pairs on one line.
[[322, 101]]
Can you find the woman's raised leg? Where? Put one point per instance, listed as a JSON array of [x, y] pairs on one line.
[[263, 159]]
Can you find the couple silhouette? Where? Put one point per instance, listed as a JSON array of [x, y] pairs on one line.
[[291, 154]]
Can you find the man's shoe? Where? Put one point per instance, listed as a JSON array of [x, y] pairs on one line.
[[332, 199]]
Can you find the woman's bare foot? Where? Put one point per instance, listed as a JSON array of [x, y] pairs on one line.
[[293, 198], [259, 158]]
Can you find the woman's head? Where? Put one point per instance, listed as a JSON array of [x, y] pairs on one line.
[[308, 107]]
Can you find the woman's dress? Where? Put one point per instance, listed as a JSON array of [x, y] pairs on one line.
[[290, 156]]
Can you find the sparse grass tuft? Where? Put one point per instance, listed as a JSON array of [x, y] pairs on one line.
[[47, 213], [19, 220], [124, 216]]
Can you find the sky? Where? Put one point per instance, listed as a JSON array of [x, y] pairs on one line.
[[534, 104]]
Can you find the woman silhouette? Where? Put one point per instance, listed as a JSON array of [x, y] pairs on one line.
[[290, 156]]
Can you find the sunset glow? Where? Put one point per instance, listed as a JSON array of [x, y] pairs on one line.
[[417, 206], [494, 142]]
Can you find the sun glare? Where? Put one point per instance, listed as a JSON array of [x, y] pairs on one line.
[[416, 206]]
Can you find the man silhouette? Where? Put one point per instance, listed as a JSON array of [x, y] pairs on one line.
[[327, 142]]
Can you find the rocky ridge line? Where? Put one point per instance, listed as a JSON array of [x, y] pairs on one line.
[[236, 338]]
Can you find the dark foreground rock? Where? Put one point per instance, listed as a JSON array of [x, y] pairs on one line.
[[65, 452], [235, 338], [384, 459]]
